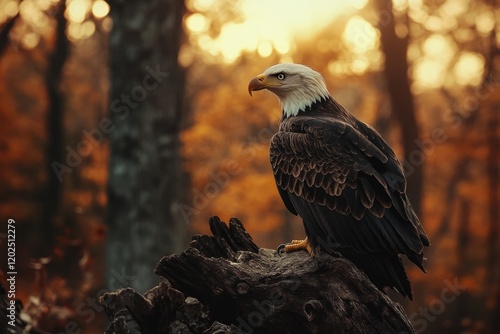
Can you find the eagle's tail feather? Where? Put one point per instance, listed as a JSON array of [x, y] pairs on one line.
[[383, 270]]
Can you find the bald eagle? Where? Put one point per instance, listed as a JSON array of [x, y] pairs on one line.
[[342, 179]]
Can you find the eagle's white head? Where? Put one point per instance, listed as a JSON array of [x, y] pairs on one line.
[[296, 86]]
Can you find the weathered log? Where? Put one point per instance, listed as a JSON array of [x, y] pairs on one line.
[[226, 284]]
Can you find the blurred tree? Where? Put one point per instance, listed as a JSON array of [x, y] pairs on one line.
[[463, 236], [5, 32], [398, 85], [492, 106], [52, 194], [144, 173]]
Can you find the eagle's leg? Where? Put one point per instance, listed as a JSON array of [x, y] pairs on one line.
[[296, 245]]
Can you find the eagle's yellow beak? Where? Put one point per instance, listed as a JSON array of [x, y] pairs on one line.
[[257, 83]]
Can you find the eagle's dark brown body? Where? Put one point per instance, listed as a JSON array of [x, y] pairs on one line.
[[347, 185]]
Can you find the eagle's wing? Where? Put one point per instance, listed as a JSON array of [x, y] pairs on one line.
[[394, 175], [348, 191]]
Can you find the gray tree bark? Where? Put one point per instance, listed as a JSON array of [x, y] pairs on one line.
[[144, 168]]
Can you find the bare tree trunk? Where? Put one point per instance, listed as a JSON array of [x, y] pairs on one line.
[[5, 32], [491, 80], [144, 173], [396, 69], [493, 167], [52, 194], [463, 237]]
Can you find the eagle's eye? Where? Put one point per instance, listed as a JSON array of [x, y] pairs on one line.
[[280, 76]]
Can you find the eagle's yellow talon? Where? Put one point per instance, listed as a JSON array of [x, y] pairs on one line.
[[296, 245]]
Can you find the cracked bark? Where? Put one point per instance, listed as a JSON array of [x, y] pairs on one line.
[[226, 284]]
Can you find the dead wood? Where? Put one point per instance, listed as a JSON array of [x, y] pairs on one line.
[[225, 284]]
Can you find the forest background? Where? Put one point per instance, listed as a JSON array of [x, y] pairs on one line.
[[125, 125]]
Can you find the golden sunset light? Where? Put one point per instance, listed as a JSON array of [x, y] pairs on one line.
[[100, 9], [263, 30]]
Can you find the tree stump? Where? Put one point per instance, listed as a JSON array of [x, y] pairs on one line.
[[226, 284]]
